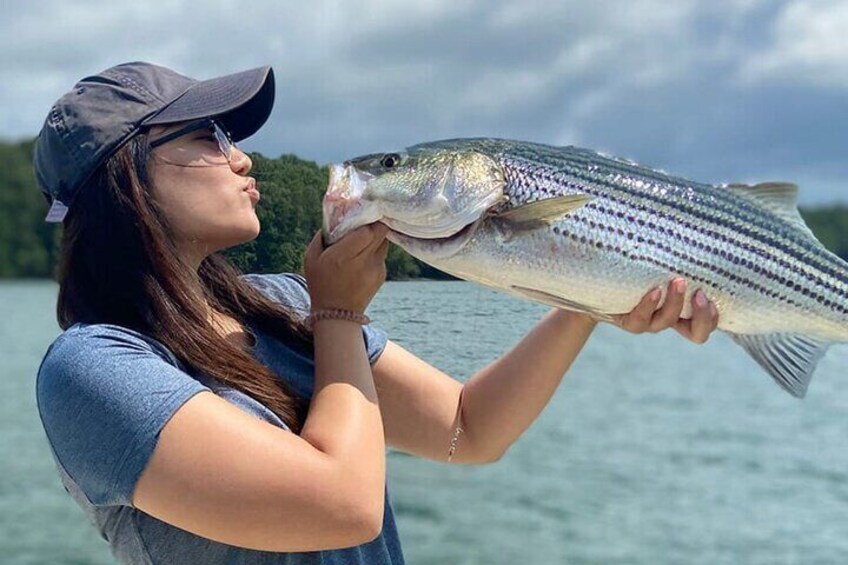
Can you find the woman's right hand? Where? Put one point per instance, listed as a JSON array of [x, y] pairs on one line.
[[349, 273]]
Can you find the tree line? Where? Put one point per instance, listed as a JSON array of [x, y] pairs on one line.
[[290, 214]]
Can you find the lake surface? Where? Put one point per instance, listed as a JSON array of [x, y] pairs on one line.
[[653, 450]]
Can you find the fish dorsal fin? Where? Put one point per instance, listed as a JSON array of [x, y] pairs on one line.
[[546, 210], [790, 359], [780, 198]]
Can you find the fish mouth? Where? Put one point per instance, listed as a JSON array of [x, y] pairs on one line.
[[343, 210]]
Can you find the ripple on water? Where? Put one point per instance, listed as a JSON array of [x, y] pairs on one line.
[[547, 508], [811, 472], [417, 511]]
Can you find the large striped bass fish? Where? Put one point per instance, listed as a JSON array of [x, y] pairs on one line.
[[575, 229]]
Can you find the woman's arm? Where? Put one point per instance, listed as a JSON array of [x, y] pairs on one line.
[[419, 403], [225, 475]]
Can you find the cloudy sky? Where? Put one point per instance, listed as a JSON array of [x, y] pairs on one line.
[[715, 90]]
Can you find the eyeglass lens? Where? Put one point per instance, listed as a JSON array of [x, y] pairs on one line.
[[225, 144], [191, 155]]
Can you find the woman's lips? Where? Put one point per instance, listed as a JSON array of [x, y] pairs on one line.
[[251, 191]]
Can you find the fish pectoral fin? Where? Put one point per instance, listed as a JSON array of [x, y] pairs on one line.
[[559, 302], [544, 211], [779, 198], [790, 359]]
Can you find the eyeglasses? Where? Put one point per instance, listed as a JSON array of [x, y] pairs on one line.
[[199, 156]]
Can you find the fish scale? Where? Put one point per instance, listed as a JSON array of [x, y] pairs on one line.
[[579, 230]]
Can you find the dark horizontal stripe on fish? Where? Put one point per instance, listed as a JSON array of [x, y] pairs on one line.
[[711, 266], [643, 258], [595, 159], [729, 255], [768, 231], [766, 252], [692, 260], [676, 269], [734, 204], [725, 199], [706, 215]]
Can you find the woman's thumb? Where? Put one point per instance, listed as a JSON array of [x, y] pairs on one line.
[[315, 247]]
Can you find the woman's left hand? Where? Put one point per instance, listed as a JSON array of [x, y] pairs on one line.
[[646, 317]]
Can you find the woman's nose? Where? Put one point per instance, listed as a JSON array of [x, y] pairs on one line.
[[240, 163]]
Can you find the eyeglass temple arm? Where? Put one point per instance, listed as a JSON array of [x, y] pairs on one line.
[[182, 131]]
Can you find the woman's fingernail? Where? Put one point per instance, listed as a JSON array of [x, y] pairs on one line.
[[655, 295], [700, 299], [679, 285]]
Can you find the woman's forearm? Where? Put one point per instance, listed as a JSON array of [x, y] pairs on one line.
[[344, 418], [503, 399]]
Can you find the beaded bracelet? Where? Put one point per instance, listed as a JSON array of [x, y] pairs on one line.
[[336, 314]]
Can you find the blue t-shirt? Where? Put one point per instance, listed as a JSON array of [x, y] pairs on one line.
[[105, 392]]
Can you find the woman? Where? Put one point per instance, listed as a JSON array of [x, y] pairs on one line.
[[199, 416]]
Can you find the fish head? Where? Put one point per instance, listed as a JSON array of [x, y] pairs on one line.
[[426, 192]]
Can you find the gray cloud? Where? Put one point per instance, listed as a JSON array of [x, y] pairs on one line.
[[726, 90]]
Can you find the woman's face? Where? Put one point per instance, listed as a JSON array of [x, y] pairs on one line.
[[207, 200]]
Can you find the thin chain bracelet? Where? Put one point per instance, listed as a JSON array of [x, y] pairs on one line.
[[458, 429], [336, 314]]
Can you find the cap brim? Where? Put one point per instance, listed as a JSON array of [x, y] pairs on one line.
[[242, 101]]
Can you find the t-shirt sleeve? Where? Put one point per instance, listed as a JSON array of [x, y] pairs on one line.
[[104, 394], [290, 290]]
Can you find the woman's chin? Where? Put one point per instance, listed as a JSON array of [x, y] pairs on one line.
[[245, 234], [251, 230]]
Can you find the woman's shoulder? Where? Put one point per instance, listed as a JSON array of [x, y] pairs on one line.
[[287, 288], [103, 393], [89, 356], [95, 340]]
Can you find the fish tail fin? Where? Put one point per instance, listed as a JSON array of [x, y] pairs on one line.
[[790, 359]]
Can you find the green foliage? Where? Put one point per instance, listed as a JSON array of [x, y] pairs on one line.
[[290, 214], [400, 265], [28, 245], [831, 227]]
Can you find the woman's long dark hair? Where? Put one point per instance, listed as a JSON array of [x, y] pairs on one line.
[[119, 266]]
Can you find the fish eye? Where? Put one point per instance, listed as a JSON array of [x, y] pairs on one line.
[[390, 160]]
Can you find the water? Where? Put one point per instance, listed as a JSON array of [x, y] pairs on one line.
[[653, 450]]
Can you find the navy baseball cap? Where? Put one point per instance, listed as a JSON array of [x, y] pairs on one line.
[[90, 123]]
